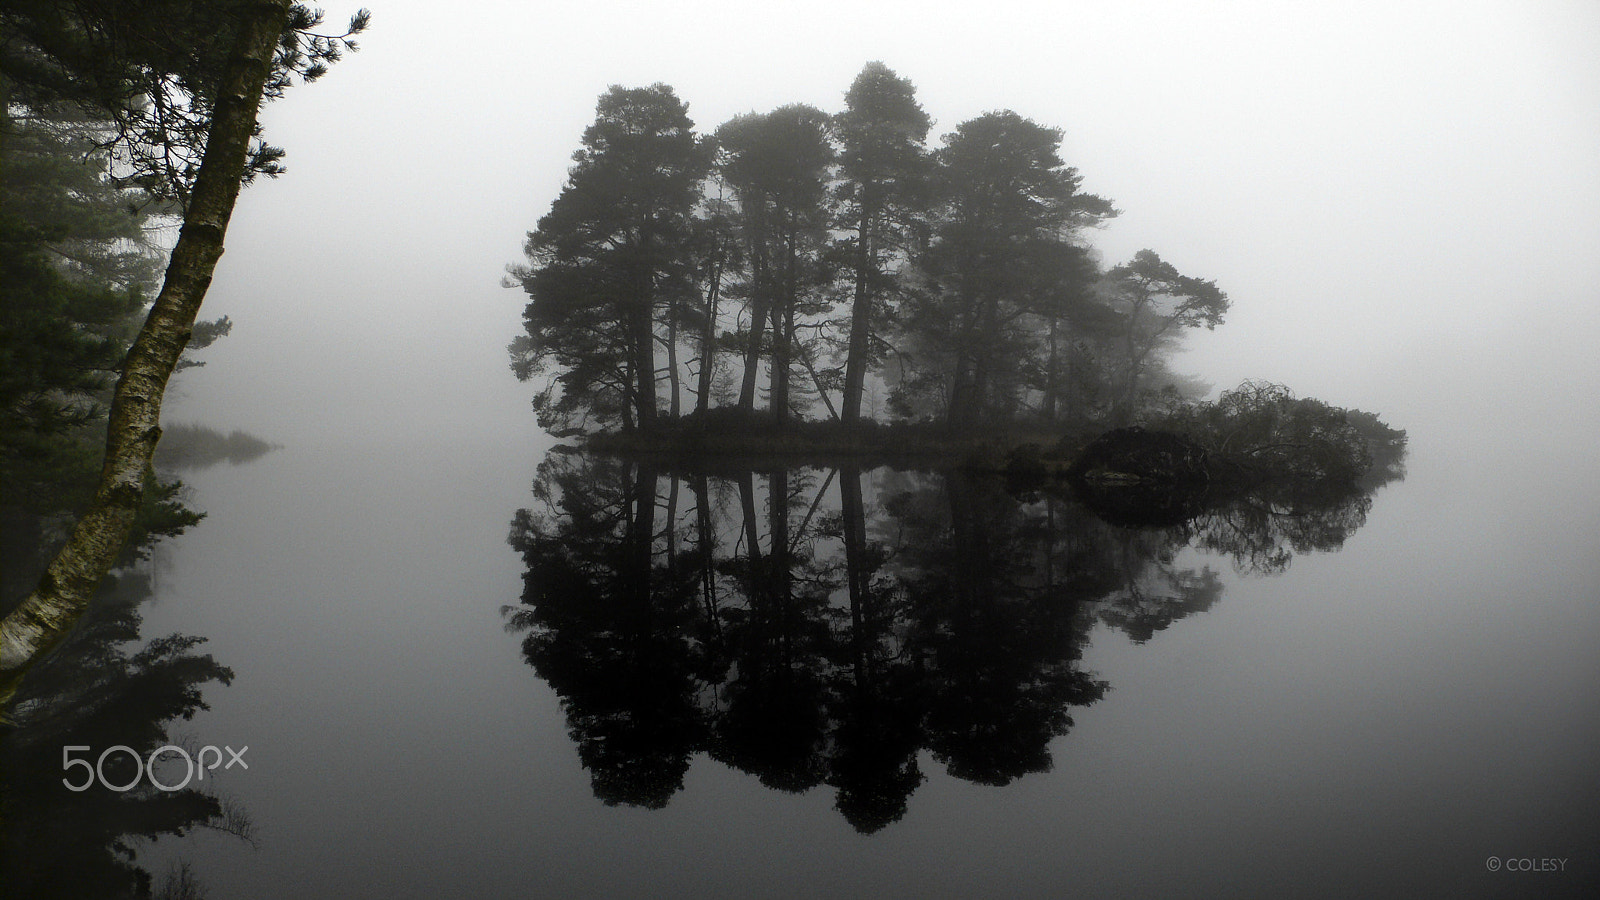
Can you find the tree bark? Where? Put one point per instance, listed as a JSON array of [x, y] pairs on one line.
[[708, 341], [783, 325], [69, 583], [641, 338], [673, 384], [855, 366], [760, 305]]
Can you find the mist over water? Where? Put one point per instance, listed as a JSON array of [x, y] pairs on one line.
[[1377, 720]]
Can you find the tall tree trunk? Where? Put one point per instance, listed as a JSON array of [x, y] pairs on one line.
[[708, 340], [783, 329], [672, 358], [981, 409], [643, 327], [984, 360], [629, 404], [1122, 407], [1076, 398], [760, 303], [963, 402], [644, 364], [855, 366], [133, 430]]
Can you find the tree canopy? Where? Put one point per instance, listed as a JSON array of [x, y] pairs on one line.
[[607, 257], [848, 270], [164, 96]]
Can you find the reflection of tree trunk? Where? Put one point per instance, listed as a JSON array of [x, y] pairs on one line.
[[778, 513], [133, 429], [707, 547], [781, 579], [672, 521], [641, 541], [969, 539], [747, 507], [857, 575]]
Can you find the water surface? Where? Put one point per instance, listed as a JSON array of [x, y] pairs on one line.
[[462, 670]]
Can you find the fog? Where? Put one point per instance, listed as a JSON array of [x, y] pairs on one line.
[[1400, 199]]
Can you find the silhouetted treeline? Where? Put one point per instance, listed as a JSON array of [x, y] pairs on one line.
[[800, 263], [820, 627]]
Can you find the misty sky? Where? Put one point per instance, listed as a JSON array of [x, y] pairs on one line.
[[1398, 196], [1402, 200]]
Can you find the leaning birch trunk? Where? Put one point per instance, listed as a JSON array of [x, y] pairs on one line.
[[69, 583]]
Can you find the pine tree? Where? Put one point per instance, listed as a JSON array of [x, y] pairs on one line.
[[607, 258], [777, 165], [1008, 204], [884, 168], [1157, 302]]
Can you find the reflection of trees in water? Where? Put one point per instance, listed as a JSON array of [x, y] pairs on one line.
[[101, 689], [192, 447], [1264, 530], [622, 658], [824, 626], [104, 686]]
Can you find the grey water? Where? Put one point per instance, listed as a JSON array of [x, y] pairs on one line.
[[1402, 704]]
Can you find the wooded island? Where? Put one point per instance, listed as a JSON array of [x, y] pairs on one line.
[[804, 282]]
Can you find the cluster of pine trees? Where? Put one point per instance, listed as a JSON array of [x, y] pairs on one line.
[[796, 257], [81, 249]]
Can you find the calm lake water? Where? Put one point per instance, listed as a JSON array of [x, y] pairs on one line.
[[824, 682]]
